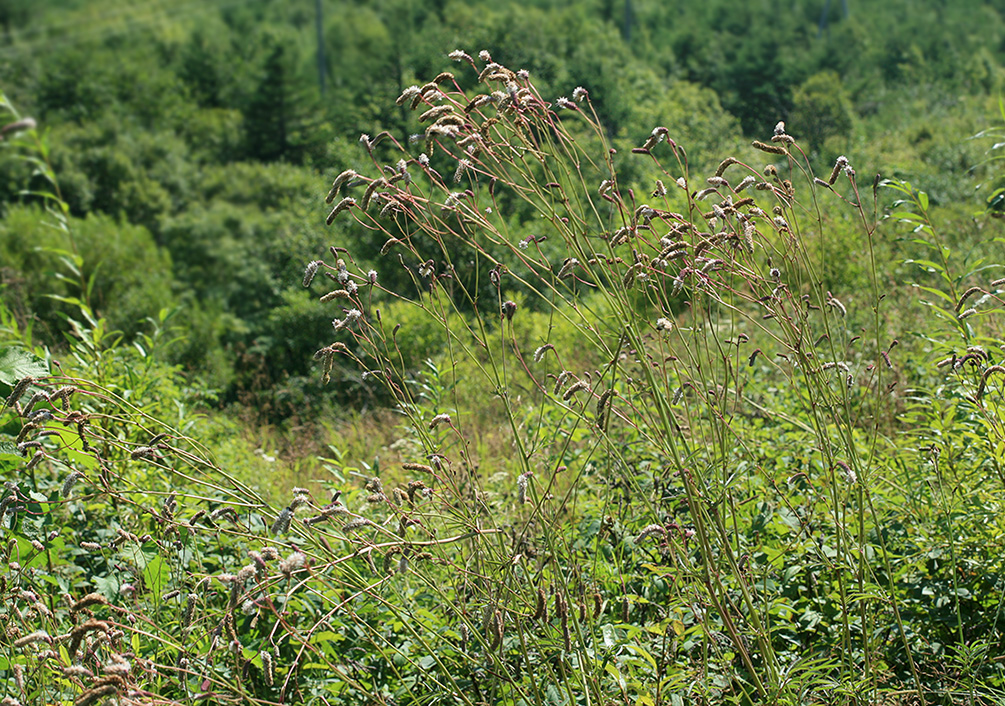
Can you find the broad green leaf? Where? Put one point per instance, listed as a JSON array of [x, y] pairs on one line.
[[10, 459], [17, 364], [107, 586]]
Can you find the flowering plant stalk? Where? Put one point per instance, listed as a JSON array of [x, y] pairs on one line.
[[684, 296]]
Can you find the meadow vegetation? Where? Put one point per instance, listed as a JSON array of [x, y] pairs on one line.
[[653, 360]]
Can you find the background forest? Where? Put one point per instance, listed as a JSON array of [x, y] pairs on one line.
[[734, 533]]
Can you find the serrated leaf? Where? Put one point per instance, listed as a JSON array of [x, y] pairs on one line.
[[9, 457], [17, 364], [107, 586]]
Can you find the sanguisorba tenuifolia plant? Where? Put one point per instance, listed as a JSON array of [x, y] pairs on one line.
[[700, 317], [697, 503]]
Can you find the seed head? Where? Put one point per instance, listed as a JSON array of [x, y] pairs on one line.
[[342, 205], [568, 267], [77, 671], [407, 95], [87, 601], [650, 530], [573, 389], [282, 523], [724, 165], [540, 352], [966, 295], [841, 163], [439, 419], [984, 379], [747, 181], [770, 149], [267, 667], [294, 562], [541, 606], [835, 303], [371, 188], [521, 486], [337, 184], [35, 460], [310, 271], [462, 166], [19, 125], [508, 310], [32, 638], [356, 524], [19, 390], [847, 471], [434, 114]]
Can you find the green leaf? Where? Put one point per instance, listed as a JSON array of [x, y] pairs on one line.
[[609, 637], [155, 574], [108, 586], [10, 459], [641, 652], [937, 292], [926, 265], [17, 363]]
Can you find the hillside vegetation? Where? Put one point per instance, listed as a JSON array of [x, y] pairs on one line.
[[551, 353]]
